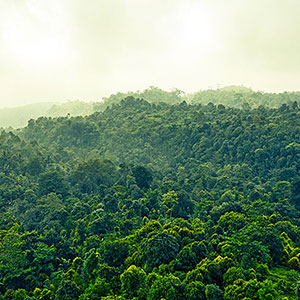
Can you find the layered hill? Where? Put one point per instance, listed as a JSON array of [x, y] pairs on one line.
[[231, 96], [152, 201]]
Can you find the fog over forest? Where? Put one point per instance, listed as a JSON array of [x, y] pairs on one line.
[[57, 50], [149, 150]]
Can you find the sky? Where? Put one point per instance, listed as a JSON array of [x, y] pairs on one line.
[[59, 50]]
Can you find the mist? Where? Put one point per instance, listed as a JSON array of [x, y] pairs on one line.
[[55, 50]]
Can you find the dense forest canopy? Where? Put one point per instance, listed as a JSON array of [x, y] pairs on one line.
[[230, 96], [160, 195]]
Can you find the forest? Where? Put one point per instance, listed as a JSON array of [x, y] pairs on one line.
[[230, 96], [156, 195]]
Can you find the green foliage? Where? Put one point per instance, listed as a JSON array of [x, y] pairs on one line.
[[190, 255], [96, 291], [12, 256], [167, 288], [154, 200], [67, 290], [133, 282], [213, 292], [143, 176], [20, 294], [233, 274], [159, 249], [195, 290], [90, 263], [251, 289], [51, 182], [94, 175], [294, 263], [114, 252]]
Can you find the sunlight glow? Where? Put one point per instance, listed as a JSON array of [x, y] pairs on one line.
[[196, 30], [35, 37]]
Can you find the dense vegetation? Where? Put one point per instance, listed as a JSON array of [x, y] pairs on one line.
[[17, 117], [230, 96], [153, 201]]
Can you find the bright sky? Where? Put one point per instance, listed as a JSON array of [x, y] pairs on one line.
[[55, 50]]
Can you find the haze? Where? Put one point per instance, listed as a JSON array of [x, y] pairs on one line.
[[54, 50]]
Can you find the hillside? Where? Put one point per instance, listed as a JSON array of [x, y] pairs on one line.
[[152, 201], [231, 96], [17, 117]]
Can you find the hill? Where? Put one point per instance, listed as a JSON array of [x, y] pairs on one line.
[[230, 96], [17, 117], [152, 201]]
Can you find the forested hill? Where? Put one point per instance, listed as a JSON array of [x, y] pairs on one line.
[[166, 137], [230, 96], [18, 116], [153, 201]]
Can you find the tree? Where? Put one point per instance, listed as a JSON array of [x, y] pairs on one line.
[[167, 288], [195, 290], [169, 201], [96, 290], [114, 252], [13, 261], [133, 282], [143, 176], [67, 290], [93, 175], [190, 255], [213, 292], [49, 213], [52, 181], [90, 264], [159, 249]]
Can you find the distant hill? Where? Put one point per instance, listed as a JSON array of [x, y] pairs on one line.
[[72, 108], [17, 117], [236, 88], [230, 96], [152, 95], [242, 97]]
